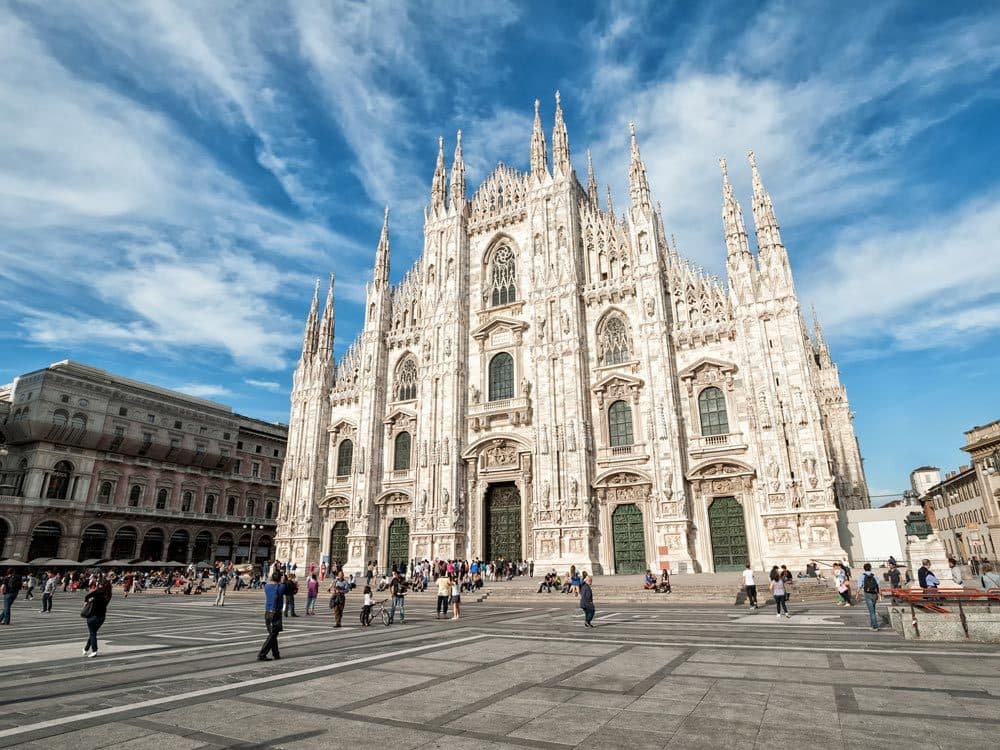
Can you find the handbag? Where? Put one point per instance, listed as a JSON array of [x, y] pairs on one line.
[[88, 608]]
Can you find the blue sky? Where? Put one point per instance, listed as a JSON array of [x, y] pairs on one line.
[[174, 175]]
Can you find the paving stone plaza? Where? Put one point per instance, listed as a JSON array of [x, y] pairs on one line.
[[177, 673]]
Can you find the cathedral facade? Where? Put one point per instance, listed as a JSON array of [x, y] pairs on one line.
[[552, 381]]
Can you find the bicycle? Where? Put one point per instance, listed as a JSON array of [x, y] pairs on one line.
[[379, 610]]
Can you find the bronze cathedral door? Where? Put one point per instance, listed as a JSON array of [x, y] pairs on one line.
[[503, 522]]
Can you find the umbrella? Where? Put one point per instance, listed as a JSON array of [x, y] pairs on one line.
[[204, 564], [116, 564], [92, 562], [60, 563], [40, 561], [11, 563]]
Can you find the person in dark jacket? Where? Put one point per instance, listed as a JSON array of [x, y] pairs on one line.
[[587, 601], [99, 599], [274, 597]]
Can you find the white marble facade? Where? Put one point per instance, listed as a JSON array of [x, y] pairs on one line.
[[553, 381]]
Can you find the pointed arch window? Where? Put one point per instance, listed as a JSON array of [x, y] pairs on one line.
[[345, 456], [712, 408], [406, 380], [615, 341], [501, 377], [401, 452], [503, 277], [620, 424]]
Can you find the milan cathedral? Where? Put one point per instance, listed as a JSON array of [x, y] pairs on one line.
[[552, 381]]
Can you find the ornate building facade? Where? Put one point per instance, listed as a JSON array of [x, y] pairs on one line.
[[553, 381], [96, 466]]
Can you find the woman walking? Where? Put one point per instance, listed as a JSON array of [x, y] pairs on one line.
[[843, 587], [778, 592], [456, 599], [312, 591], [96, 605]]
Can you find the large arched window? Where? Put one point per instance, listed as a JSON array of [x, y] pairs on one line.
[[134, 496], [210, 504], [406, 380], [251, 507], [501, 377], [345, 455], [269, 509], [401, 452], [712, 407], [59, 481], [161, 499], [186, 499], [231, 506], [620, 424], [60, 417], [503, 277], [615, 341]]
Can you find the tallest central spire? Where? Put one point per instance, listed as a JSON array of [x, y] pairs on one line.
[[637, 182], [539, 160], [560, 143]]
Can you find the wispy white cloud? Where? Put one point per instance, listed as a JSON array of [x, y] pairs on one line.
[[204, 390], [266, 385]]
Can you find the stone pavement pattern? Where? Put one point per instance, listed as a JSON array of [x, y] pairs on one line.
[[178, 673]]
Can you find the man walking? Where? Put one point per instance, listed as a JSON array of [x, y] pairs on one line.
[[51, 583], [274, 594], [338, 601], [868, 587], [587, 601], [220, 585], [9, 589], [32, 582], [750, 586], [397, 587], [291, 589]]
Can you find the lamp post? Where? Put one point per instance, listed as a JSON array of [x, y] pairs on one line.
[[253, 527]]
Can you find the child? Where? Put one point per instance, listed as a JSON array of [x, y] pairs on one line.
[[366, 608]]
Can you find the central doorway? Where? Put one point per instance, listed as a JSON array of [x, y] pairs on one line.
[[503, 522], [728, 534], [399, 545], [629, 536], [338, 544]]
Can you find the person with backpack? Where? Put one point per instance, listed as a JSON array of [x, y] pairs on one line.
[[221, 583], [10, 589], [868, 588], [291, 589]]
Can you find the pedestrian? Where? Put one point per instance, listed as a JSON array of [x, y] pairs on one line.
[[778, 592], [843, 587], [9, 589], [869, 590], [956, 572], [750, 587], [974, 565], [31, 583], [926, 578], [220, 585], [456, 598], [48, 589], [397, 587], [990, 578], [312, 593], [587, 601], [338, 601], [291, 589], [95, 609], [892, 575], [788, 579], [366, 607], [274, 595], [443, 595]]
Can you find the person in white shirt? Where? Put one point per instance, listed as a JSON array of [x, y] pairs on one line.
[[750, 586]]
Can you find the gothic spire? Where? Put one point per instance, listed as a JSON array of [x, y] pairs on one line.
[[765, 222], [732, 219], [611, 203], [822, 350], [539, 161], [309, 338], [382, 256], [560, 143], [439, 184], [458, 175], [637, 183], [324, 347], [591, 180]]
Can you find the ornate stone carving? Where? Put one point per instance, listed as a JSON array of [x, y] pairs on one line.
[[499, 453]]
